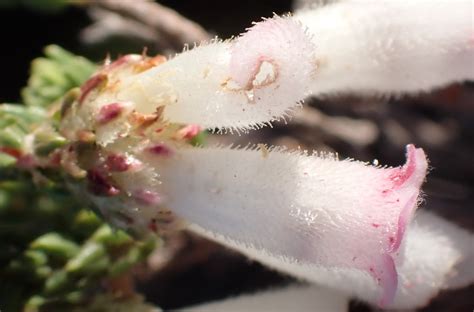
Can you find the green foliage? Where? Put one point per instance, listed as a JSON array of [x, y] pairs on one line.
[[52, 76], [16, 122], [6, 160], [55, 253]]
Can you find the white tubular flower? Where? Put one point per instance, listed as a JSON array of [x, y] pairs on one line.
[[304, 210], [390, 46], [238, 84], [292, 298]]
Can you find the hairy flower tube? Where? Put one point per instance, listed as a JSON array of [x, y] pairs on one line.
[[130, 124], [390, 46]]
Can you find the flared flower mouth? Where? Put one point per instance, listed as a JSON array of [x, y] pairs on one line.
[[407, 181], [403, 193]]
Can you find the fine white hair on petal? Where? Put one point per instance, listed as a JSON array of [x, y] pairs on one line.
[[203, 86], [291, 298], [314, 210], [390, 46]]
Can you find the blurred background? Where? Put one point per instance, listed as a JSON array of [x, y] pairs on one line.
[[187, 270]]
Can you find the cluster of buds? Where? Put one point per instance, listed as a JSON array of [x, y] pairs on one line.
[[119, 149]]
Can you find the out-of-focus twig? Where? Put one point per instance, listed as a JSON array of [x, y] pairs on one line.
[[108, 24], [172, 29]]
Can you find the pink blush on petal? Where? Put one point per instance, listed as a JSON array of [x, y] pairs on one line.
[[406, 184], [391, 207], [405, 216], [385, 273], [400, 197], [401, 175]]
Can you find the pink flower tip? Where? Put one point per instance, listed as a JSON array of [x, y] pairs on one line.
[[403, 193], [407, 181]]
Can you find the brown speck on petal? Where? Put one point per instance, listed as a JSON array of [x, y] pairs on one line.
[[148, 63], [143, 121], [91, 84]]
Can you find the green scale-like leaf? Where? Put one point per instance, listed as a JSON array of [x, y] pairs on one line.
[[52, 76]]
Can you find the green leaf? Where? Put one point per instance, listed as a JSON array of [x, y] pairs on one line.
[[36, 257], [111, 238], [77, 68], [47, 72], [47, 141], [137, 253], [6, 161], [52, 76], [24, 113], [58, 281], [92, 258], [12, 137], [56, 245], [34, 303]]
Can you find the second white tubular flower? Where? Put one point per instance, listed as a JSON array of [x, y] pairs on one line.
[[390, 46], [311, 210]]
